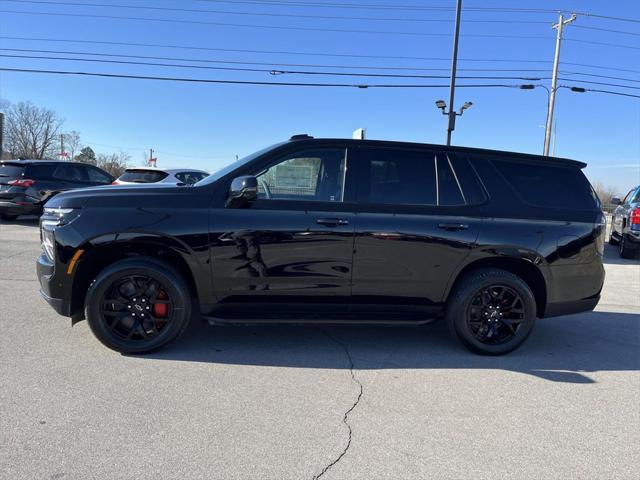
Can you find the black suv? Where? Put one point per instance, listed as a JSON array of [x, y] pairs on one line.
[[25, 185], [625, 224], [328, 230]]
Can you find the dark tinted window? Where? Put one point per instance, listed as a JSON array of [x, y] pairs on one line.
[[40, 172], [469, 181], [142, 176], [449, 189], [98, 176], [548, 185], [398, 177], [8, 170], [70, 173]]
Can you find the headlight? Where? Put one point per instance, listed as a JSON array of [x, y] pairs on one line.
[[51, 219], [55, 217], [48, 242]]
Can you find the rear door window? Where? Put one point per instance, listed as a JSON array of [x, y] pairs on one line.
[[70, 173], [189, 178], [548, 185], [142, 176], [449, 189], [395, 176]]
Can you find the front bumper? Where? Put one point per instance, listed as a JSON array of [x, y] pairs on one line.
[[50, 289]]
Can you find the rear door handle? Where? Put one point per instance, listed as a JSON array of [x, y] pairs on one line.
[[453, 226], [332, 222]]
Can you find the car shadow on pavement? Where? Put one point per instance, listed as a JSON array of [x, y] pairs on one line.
[[563, 349], [612, 256]]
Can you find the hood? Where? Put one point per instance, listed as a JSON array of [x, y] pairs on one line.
[[78, 198]]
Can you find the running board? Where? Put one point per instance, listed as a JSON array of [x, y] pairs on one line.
[[213, 320]]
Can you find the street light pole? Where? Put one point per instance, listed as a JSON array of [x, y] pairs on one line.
[[454, 65], [554, 79]]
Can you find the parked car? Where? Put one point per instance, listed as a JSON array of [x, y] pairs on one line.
[[25, 185], [625, 224], [157, 175], [330, 230]]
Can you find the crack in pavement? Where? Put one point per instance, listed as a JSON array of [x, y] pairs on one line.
[[346, 414]]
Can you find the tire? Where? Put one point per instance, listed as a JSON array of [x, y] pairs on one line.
[[141, 285], [625, 251], [8, 216], [613, 240], [494, 304]]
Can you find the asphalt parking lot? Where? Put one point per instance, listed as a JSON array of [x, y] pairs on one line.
[[270, 402]]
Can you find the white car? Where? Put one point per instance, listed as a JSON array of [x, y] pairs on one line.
[[159, 175]]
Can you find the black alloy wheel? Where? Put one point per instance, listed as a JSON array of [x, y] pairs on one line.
[[491, 311], [138, 305], [495, 314]]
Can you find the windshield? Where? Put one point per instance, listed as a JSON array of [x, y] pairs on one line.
[[232, 166]]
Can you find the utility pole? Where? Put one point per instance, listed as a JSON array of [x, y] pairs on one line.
[[62, 154], [554, 79], [1, 134], [454, 65]]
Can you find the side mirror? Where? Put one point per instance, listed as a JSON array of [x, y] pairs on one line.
[[242, 190], [616, 201]]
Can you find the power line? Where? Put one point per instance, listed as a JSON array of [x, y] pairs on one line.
[[279, 84], [599, 83], [606, 44], [262, 70], [245, 82], [586, 27], [274, 64], [271, 64], [377, 6], [267, 52], [274, 27], [608, 17], [265, 14]]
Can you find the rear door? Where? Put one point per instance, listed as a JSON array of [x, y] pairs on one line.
[[291, 249], [415, 225]]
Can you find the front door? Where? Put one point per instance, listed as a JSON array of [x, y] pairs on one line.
[[291, 248], [415, 225]]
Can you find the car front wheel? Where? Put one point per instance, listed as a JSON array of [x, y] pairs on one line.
[[491, 311], [138, 305]]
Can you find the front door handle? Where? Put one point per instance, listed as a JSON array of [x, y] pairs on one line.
[[332, 222], [453, 226]]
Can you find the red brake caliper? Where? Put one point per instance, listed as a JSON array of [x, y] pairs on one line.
[[160, 309]]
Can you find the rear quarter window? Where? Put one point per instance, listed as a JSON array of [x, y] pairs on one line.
[[8, 170], [548, 186]]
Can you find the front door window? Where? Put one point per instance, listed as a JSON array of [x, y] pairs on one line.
[[311, 175]]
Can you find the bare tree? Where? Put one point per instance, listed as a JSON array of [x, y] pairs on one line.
[[72, 142], [31, 131], [114, 163], [605, 192]]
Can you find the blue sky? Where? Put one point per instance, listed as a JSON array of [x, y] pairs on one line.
[[206, 125]]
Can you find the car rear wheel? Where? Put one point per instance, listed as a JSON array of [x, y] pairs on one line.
[[625, 251], [138, 305], [491, 311]]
